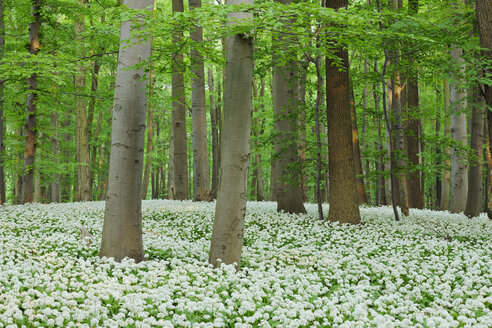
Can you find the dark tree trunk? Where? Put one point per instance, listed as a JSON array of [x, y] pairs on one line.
[[32, 96], [344, 204]]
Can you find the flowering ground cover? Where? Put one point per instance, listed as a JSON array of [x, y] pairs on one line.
[[433, 269]]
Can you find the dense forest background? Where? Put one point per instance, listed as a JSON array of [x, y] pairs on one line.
[[417, 75]]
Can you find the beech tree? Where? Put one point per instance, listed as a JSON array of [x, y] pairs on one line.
[[230, 210], [122, 229]]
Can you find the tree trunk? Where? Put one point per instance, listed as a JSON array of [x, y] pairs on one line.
[[150, 134], [32, 96], [474, 199], [181, 190], [82, 133], [55, 185], [227, 236], [170, 168], [301, 124], [446, 178], [96, 65], [2, 119], [285, 106], [215, 135], [344, 205], [201, 177], [122, 229], [273, 178], [361, 188], [459, 166]]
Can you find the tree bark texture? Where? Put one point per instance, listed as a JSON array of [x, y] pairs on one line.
[[150, 137], [181, 189], [361, 188], [122, 229], [475, 192], [301, 125], [285, 110], [459, 165], [344, 204], [82, 130], [201, 175], [446, 178], [32, 96], [230, 210], [55, 185], [215, 134]]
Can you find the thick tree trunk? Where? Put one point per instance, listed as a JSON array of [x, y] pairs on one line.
[[285, 106], [201, 177], [227, 236], [2, 119], [181, 189], [215, 134], [474, 199], [82, 133], [32, 96], [361, 188], [122, 229], [344, 204], [459, 166]]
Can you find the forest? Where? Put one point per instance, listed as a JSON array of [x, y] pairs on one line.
[[240, 163]]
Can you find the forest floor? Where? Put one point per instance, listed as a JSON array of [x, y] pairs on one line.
[[432, 269]]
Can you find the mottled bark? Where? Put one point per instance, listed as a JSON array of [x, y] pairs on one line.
[[181, 189], [122, 228], [228, 230], [344, 205]]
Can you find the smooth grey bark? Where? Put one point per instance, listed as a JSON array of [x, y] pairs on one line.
[[230, 210], [201, 175], [285, 109], [459, 165], [122, 229], [475, 191], [181, 189]]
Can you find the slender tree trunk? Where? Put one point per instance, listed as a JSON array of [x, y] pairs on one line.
[[93, 138], [55, 185], [37, 177], [273, 178], [437, 200], [459, 166], [170, 168], [122, 228], [488, 178], [446, 179], [361, 188], [474, 199], [285, 107], [82, 135], [257, 180], [32, 96], [228, 230], [181, 189], [201, 177], [319, 95], [2, 119], [344, 205], [301, 125], [215, 134]]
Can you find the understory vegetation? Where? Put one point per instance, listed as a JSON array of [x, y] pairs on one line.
[[432, 269]]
